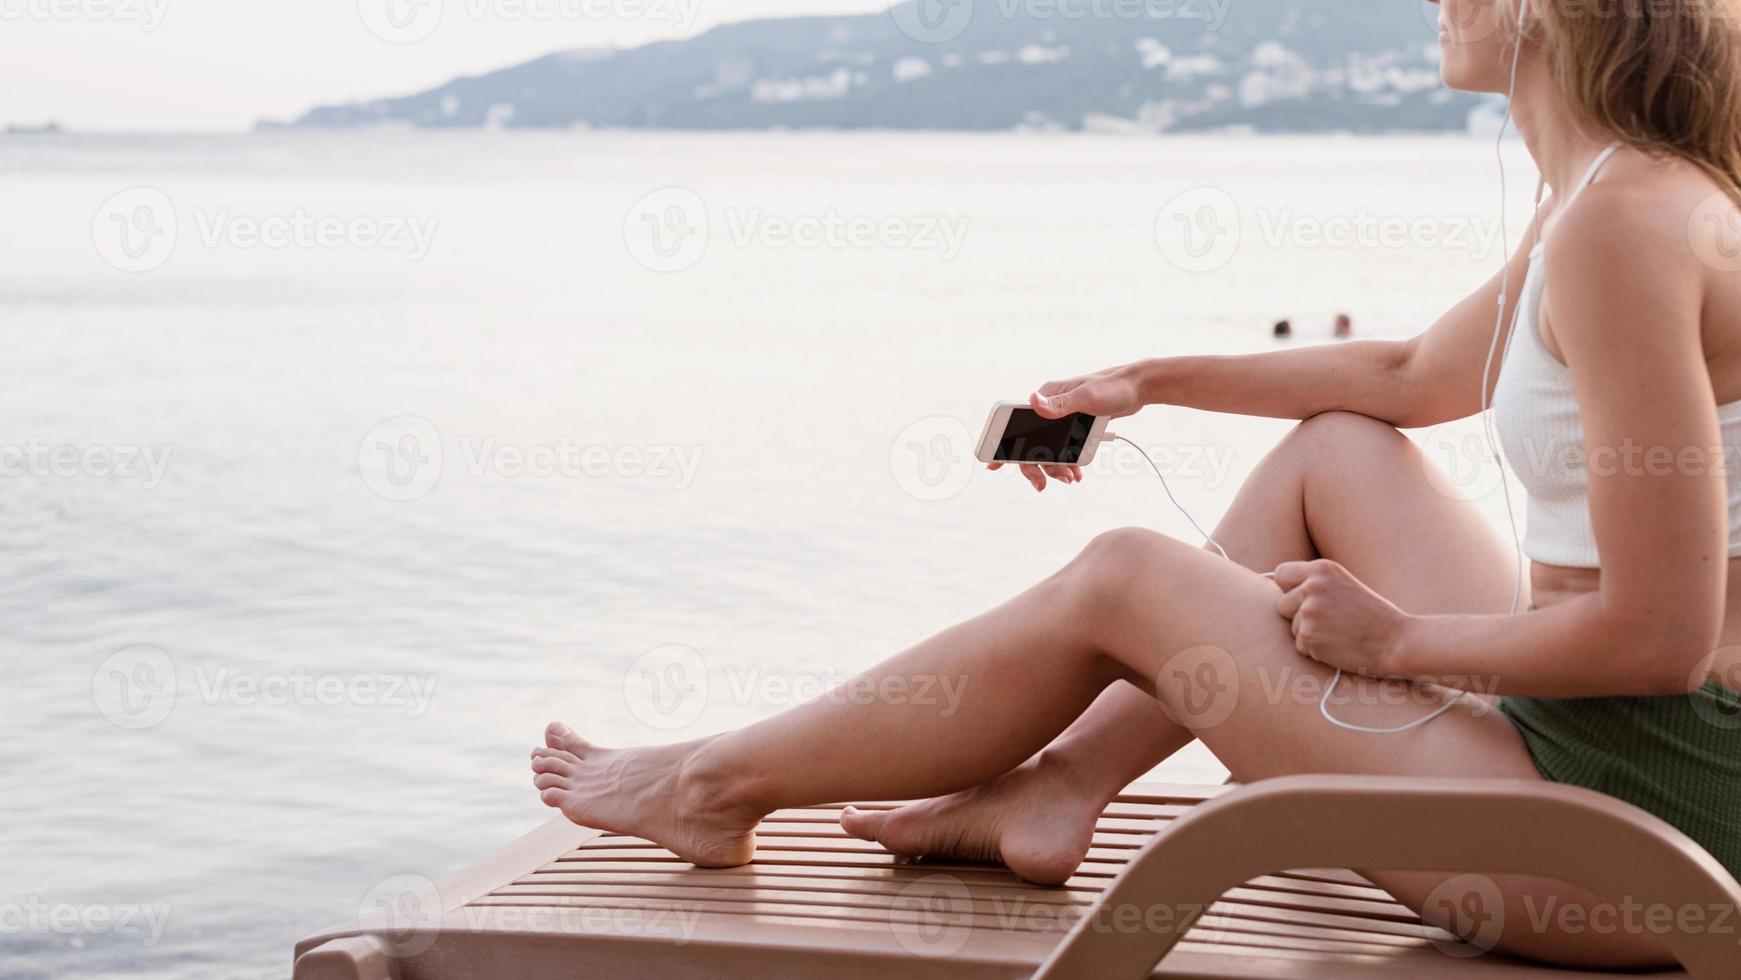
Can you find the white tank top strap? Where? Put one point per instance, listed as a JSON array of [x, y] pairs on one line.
[[1595, 169], [1589, 178]]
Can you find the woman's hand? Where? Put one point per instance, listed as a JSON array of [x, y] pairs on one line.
[[1337, 620], [1113, 393]]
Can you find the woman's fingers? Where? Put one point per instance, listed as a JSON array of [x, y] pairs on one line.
[[1054, 406], [1035, 476], [1290, 602], [1063, 474]]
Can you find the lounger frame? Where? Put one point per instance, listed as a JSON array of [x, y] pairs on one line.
[[477, 925]]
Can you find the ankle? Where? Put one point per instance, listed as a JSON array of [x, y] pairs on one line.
[[1076, 772], [709, 783]]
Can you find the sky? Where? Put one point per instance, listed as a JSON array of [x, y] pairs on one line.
[[216, 65]]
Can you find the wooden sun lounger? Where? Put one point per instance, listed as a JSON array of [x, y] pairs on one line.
[[566, 902]]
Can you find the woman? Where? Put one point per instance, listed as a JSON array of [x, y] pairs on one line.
[[1629, 348]]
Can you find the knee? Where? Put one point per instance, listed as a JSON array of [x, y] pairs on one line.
[[1334, 436], [1118, 558]]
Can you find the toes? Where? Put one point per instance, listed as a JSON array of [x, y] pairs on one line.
[[550, 780], [560, 736], [863, 824], [558, 763], [551, 797]]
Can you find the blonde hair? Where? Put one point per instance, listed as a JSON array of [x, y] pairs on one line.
[[1663, 75]]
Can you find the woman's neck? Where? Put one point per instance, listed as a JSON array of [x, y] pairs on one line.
[[1563, 149]]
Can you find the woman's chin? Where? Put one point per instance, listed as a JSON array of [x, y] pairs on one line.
[[1460, 81]]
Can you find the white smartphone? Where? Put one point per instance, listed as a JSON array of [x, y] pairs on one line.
[[1016, 433]]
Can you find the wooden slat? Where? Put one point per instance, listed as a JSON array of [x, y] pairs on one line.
[[807, 870]]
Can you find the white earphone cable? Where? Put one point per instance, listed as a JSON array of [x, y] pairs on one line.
[[1487, 424], [1324, 702]]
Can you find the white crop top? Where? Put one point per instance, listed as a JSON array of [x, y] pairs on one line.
[[1536, 414]]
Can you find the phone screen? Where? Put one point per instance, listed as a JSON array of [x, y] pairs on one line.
[[1029, 438]]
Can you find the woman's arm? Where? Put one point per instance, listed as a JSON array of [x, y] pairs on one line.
[[1624, 304], [1433, 378]]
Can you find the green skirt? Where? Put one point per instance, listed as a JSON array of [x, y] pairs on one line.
[[1676, 757]]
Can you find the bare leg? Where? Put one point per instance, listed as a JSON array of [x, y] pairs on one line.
[[1339, 487], [1134, 605]]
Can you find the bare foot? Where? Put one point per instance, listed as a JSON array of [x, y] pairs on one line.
[[652, 793], [1032, 818]]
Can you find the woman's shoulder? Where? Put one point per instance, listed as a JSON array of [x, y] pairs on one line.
[[1644, 227], [1648, 207]]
